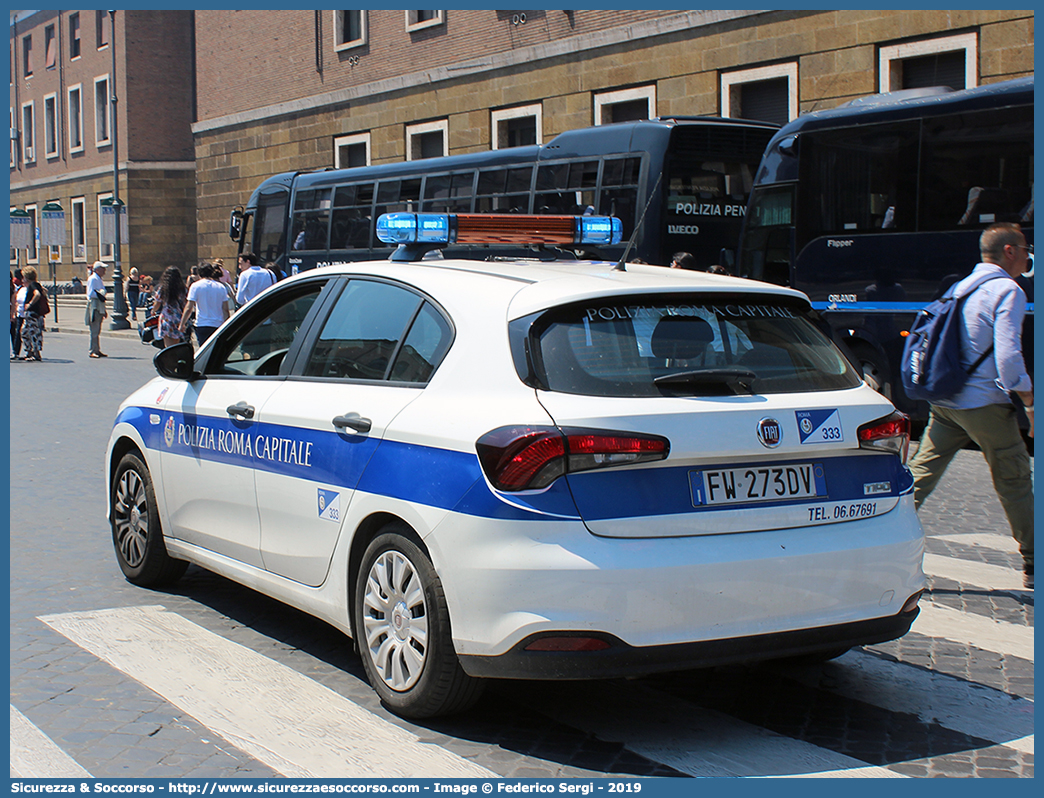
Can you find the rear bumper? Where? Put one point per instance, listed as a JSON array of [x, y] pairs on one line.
[[620, 659]]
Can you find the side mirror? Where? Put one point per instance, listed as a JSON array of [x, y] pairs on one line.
[[176, 362], [727, 258], [235, 223]]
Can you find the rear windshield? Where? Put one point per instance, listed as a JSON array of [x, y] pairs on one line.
[[685, 345]]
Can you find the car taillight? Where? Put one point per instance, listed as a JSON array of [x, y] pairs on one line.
[[888, 434], [528, 458]]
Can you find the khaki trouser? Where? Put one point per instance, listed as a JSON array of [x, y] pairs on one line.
[[995, 430]]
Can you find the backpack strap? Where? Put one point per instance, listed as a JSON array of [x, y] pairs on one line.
[[960, 301]]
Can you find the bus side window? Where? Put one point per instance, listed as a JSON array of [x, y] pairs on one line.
[[619, 194], [978, 168], [351, 222], [566, 187], [503, 190], [449, 193]]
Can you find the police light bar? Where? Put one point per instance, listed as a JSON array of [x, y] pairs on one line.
[[435, 229]]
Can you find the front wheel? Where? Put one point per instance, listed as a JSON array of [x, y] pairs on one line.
[[136, 533], [403, 631]]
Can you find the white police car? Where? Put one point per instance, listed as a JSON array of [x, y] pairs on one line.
[[526, 469]]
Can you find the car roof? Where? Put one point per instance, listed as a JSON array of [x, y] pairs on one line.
[[532, 286]]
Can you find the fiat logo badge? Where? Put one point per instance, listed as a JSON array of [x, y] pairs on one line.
[[770, 433]]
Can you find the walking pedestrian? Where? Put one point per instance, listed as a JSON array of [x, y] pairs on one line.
[[982, 411], [133, 292], [208, 299], [33, 305], [169, 303], [252, 279], [16, 315], [96, 311]]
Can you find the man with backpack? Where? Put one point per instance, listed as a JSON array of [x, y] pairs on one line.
[[990, 324]]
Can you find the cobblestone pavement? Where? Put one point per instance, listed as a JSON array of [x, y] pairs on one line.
[[967, 712]]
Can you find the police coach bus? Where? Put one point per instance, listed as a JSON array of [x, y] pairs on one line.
[[690, 176], [874, 208]]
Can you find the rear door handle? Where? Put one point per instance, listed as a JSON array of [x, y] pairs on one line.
[[352, 421], [241, 409]]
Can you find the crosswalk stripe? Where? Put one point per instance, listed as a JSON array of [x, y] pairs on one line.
[[292, 723], [979, 574], [974, 630], [34, 755], [934, 697], [693, 740], [1004, 543]]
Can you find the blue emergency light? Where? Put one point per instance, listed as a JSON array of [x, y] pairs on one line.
[[418, 232]]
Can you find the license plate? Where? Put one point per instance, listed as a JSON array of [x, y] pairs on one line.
[[757, 484]]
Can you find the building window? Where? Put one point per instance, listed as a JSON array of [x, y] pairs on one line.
[[419, 20], [75, 119], [79, 229], [101, 110], [352, 151], [767, 94], [32, 254], [948, 61], [349, 29], [28, 131], [27, 56], [74, 36], [51, 125], [427, 140], [50, 48], [101, 30], [14, 140], [104, 250], [517, 127], [626, 105]]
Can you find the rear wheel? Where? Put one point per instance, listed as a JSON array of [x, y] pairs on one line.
[[403, 632], [136, 533]]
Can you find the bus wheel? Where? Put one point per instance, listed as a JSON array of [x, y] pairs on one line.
[[875, 374]]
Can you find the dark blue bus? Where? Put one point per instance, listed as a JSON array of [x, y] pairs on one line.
[[690, 175], [875, 207]]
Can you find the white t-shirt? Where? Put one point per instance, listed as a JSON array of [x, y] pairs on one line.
[[209, 295], [20, 299]]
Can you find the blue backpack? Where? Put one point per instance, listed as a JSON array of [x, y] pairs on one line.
[[931, 365]]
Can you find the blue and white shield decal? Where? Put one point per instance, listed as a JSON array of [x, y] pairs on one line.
[[329, 505], [819, 426]]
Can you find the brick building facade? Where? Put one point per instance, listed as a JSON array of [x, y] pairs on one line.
[[380, 86], [61, 64]]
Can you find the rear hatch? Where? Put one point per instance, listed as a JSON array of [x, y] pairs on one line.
[[767, 424]]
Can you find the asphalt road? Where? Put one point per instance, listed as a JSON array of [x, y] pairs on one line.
[[103, 683]]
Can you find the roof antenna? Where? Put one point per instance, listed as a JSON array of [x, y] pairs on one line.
[[621, 264]]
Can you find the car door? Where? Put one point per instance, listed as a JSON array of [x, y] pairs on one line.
[[368, 359], [211, 430]]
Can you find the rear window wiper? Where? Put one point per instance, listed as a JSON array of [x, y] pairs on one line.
[[738, 379]]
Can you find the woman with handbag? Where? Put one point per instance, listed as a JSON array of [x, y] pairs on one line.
[[169, 305], [36, 308]]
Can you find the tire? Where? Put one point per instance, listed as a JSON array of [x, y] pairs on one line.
[[136, 532], [402, 630]]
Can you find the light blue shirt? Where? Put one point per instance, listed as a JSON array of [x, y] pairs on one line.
[[993, 314], [252, 282]]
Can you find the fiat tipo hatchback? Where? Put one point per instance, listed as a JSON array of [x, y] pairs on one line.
[[526, 469]]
